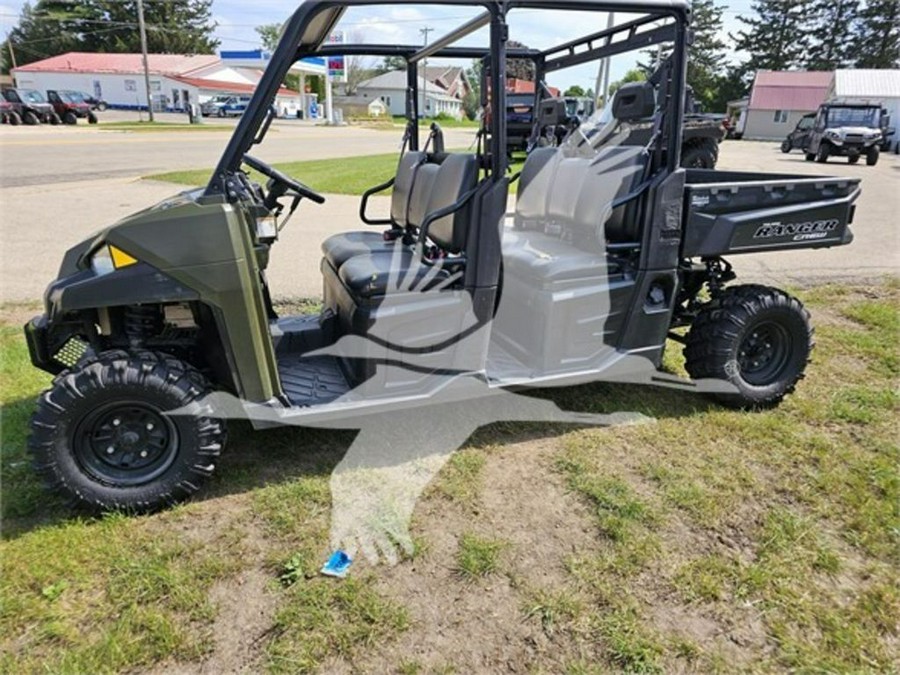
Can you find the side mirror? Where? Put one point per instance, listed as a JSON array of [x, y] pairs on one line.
[[634, 101]]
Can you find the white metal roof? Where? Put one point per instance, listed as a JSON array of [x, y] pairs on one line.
[[867, 83]]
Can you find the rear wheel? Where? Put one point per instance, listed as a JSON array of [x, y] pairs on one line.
[[101, 106], [786, 146], [54, 119], [699, 157], [756, 338], [872, 156], [71, 118], [30, 118], [92, 118], [822, 154], [809, 157], [102, 435]]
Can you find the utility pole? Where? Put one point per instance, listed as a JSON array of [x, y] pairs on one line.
[[603, 70], [143, 29], [12, 54], [425, 31]]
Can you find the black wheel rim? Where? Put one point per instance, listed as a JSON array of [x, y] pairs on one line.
[[763, 353], [125, 443]]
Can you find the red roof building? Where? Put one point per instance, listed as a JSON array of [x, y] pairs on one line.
[[517, 86], [779, 99], [176, 80]]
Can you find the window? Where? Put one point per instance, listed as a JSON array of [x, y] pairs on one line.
[[155, 85], [781, 116], [130, 85]]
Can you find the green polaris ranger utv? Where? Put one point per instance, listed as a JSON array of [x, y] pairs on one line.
[[610, 246]]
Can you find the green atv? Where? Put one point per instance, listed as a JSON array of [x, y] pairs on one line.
[[157, 319]]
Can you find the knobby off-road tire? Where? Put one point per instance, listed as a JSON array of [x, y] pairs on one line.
[[101, 438], [14, 119], [700, 156], [54, 119], [822, 154], [872, 156], [755, 337], [786, 146], [30, 118], [70, 118], [808, 156], [853, 160]]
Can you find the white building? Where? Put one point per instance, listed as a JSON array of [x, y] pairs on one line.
[[870, 86], [175, 80], [390, 88]]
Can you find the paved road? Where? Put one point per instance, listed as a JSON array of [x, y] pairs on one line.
[[40, 221], [45, 155]]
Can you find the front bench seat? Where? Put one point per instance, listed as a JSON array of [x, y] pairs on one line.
[[376, 274], [339, 248]]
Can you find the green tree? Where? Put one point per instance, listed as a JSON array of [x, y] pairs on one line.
[[52, 27], [877, 35], [392, 63], [776, 35], [268, 35], [706, 57], [832, 45], [574, 90]]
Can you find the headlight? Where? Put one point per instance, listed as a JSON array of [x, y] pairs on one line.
[[109, 258]]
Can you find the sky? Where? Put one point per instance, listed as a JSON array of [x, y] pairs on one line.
[[401, 24]]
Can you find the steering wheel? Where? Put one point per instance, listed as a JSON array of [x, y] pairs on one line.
[[285, 180]]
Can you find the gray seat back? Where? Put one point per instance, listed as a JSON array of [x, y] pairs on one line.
[[404, 183], [572, 197], [421, 192], [457, 175]]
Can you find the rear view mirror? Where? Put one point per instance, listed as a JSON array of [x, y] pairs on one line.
[[634, 101]]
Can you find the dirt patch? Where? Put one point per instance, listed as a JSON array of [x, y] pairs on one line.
[[18, 313], [484, 625]]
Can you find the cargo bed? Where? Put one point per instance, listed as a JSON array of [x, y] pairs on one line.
[[728, 212]]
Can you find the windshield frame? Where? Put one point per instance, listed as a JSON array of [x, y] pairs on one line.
[[305, 33]]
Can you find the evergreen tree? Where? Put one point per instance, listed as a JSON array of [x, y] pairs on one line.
[[706, 56], [777, 34], [53, 27], [877, 35], [832, 45]]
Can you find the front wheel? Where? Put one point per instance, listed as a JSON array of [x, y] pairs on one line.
[[71, 118], [14, 119], [103, 436], [54, 119], [822, 154], [30, 118], [853, 159], [786, 146], [756, 338], [872, 156]]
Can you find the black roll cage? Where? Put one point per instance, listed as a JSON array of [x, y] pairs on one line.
[[305, 33]]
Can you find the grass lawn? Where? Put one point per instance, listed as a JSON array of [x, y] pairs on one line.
[[344, 176], [708, 541], [149, 126]]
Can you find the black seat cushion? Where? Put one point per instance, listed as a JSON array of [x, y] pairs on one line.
[[340, 248], [373, 275]]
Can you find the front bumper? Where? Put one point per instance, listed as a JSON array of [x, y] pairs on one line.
[[37, 336]]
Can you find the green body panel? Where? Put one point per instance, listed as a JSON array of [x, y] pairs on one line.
[[207, 246]]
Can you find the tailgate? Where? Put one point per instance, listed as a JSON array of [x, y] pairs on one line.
[[729, 212]]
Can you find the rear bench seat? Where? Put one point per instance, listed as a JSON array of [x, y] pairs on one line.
[[564, 216]]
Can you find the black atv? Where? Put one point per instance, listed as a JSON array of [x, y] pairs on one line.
[[161, 326], [31, 106], [799, 137]]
